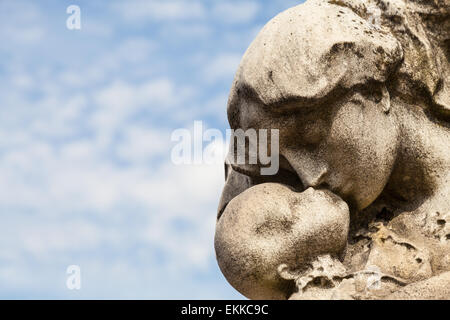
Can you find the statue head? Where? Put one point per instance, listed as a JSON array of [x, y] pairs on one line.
[[328, 77], [359, 91], [269, 234]]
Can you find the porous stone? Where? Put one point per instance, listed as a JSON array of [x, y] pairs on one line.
[[269, 231], [360, 94]]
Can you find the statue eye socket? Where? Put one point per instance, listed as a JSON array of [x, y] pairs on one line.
[[373, 93], [313, 133], [356, 101], [247, 169]]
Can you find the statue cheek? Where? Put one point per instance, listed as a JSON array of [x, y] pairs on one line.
[[362, 154]]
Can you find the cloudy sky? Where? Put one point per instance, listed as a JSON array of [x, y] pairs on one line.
[[86, 118]]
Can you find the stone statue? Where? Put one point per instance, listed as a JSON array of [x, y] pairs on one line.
[[360, 206]]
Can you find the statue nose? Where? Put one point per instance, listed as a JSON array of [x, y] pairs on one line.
[[311, 172], [313, 180]]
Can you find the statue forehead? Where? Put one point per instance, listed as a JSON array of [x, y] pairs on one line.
[[307, 51]]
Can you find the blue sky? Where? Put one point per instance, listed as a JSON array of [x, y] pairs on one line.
[[85, 125]]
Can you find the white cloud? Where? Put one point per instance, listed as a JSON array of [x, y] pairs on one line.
[[22, 81], [57, 185], [141, 145], [217, 106], [21, 23], [158, 10], [119, 101], [135, 50], [97, 28], [60, 199], [187, 30], [159, 93], [85, 156], [236, 12], [130, 54], [222, 67]]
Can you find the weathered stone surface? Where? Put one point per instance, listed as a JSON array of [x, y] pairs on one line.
[[269, 231], [360, 94], [436, 288]]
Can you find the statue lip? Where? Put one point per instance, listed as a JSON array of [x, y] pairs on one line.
[[342, 192], [332, 194]]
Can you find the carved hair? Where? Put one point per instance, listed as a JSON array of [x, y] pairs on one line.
[[390, 42], [423, 30]]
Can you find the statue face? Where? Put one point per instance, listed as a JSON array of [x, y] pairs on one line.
[[348, 147], [318, 73]]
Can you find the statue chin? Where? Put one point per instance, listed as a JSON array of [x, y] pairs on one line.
[[269, 234]]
